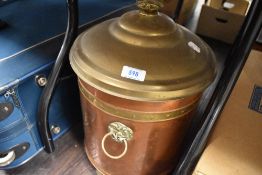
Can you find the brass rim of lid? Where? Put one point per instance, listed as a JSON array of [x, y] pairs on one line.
[[135, 94], [96, 52]]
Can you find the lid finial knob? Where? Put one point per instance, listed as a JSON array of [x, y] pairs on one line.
[[149, 6]]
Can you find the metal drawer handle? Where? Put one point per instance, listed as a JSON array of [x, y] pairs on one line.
[[6, 160], [119, 133]]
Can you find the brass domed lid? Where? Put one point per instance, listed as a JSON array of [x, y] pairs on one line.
[[143, 55]]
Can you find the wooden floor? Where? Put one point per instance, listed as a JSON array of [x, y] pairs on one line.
[[69, 158]]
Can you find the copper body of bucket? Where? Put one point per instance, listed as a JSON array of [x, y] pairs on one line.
[[154, 147]]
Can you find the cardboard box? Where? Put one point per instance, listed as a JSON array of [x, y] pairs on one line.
[[232, 6], [235, 146], [218, 23]]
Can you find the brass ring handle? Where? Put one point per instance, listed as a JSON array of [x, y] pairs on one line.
[[109, 155], [119, 133]]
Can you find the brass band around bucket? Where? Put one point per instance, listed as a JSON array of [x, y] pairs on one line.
[[136, 115]]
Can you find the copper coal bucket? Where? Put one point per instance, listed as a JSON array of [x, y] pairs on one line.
[[140, 79]]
